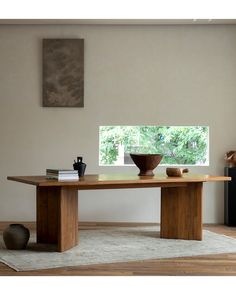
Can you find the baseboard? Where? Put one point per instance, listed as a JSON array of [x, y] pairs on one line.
[[115, 223], [32, 224]]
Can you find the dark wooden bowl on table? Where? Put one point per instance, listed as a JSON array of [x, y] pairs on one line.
[[146, 163]]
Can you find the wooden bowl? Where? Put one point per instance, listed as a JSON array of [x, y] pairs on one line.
[[176, 172], [146, 163]]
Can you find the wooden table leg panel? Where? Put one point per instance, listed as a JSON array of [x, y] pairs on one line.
[[68, 227], [57, 216], [47, 214], [181, 212]]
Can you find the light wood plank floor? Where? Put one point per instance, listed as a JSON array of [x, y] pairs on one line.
[[220, 264]]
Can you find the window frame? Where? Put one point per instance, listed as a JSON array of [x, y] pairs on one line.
[[206, 164]]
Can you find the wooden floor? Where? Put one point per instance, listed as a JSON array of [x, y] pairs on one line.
[[220, 264]]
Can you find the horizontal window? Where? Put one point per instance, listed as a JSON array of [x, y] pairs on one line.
[[179, 145]]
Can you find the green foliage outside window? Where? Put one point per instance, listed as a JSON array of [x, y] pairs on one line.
[[185, 145]]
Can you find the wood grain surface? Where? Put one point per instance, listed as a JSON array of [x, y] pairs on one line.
[[108, 181], [181, 212], [57, 216]]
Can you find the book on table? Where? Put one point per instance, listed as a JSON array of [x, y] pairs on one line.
[[62, 174], [61, 171]]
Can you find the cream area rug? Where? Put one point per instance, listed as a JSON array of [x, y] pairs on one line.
[[116, 244]]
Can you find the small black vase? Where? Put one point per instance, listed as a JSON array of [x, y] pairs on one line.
[[80, 166], [16, 236]]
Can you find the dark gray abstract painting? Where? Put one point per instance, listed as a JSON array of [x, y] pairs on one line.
[[63, 72]]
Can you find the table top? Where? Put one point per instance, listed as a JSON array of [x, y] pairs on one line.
[[106, 181]]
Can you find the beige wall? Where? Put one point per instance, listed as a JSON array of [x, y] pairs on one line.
[[154, 75]]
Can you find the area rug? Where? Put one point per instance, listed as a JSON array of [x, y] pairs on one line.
[[110, 245]]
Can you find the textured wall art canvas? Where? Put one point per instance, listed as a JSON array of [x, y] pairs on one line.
[[63, 72]]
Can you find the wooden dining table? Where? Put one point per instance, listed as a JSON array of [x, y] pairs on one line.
[[57, 203]]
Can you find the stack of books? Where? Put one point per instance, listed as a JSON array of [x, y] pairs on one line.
[[62, 174]]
